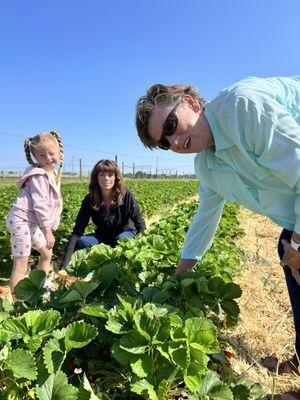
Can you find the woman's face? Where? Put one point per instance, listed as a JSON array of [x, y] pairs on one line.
[[106, 180], [187, 137]]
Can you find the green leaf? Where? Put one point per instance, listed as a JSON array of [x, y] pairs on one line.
[[31, 289], [32, 326], [122, 356], [202, 285], [78, 263], [192, 379], [230, 307], [53, 355], [3, 316], [22, 364], [88, 388], [16, 327], [59, 333], [4, 353], [240, 392], [175, 320], [142, 386], [85, 288], [71, 296], [142, 367], [134, 342], [79, 291], [56, 387], [201, 358], [42, 323], [178, 335], [179, 355], [94, 310], [79, 334], [130, 304], [232, 291], [164, 351], [119, 321], [107, 274], [146, 325], [202, 335], [162, 390], [99, 255], [212, 386]]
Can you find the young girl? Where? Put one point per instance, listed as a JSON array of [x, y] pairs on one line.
[[36, 211]]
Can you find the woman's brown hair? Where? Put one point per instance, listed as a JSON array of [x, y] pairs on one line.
[[118, 191]]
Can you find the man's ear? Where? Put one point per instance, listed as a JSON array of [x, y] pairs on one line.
[[193, 104]]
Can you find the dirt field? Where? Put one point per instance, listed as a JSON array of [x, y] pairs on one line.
[[266, 326]]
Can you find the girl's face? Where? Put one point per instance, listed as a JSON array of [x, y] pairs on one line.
[[47, 156], [106, 180]]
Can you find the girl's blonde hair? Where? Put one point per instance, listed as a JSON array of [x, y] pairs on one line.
[[118, 191], [38, 141]]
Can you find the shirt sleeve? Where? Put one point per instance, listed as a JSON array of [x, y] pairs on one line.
[[205, 222], [273, 135], [83, 217], [39, 187], [261, 123], [279, 151], [136, 215]]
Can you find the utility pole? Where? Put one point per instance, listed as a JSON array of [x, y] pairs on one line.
[[80, 169], [156, 167], [116, 159]]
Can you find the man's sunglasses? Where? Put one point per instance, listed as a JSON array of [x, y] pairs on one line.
[[169, 128]]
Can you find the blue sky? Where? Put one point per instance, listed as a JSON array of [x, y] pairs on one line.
[[79, 66]]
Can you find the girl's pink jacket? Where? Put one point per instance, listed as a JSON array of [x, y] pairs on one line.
[[40, 201]]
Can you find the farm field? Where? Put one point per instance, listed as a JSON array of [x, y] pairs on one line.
[[134, 331], [153, 197]]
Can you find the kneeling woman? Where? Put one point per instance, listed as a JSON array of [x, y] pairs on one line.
[[111, 207]]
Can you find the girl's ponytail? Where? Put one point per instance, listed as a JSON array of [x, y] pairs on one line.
[[61, 152], [28, 152]]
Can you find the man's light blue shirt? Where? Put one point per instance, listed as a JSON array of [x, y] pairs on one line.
[[256, 161]]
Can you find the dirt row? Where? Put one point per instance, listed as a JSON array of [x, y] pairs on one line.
[[266, 326]]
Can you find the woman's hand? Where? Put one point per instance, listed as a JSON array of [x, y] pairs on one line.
[[291, 258], [185, 265], [50, 239]]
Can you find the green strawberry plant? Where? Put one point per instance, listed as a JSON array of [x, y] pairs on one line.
[[135, 330]]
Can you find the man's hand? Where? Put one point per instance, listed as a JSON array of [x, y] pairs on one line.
[[185, 265], [291, 258]]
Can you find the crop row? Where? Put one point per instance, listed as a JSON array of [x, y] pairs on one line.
[[146, 333], [152, 196]]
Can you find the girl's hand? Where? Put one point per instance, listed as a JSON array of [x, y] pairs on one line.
[[291, 258], [185, 265], [50, 239]]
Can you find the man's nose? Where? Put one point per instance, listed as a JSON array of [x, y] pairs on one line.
[[173, 140]]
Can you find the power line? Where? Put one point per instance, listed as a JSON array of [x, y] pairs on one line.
[[95, 150]]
